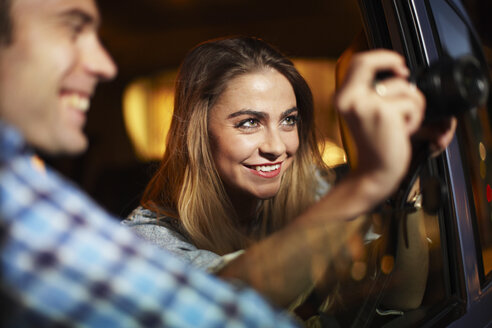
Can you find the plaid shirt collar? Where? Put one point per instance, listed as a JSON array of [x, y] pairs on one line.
[[11, 143]]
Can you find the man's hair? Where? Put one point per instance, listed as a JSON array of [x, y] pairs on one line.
[[5, 22]]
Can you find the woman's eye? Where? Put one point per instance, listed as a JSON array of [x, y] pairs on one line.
[[290, 120], [248, 123]]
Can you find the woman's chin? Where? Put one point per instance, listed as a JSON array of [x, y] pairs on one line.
[[266, 194]]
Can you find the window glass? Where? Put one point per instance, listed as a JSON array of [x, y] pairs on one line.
[[475, 135], [453, 33]]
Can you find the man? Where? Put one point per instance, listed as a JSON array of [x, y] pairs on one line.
[[64, 261]]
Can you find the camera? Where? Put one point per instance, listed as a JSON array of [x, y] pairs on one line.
[[452, 86]]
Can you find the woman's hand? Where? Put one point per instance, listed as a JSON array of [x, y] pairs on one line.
[[381, 116]]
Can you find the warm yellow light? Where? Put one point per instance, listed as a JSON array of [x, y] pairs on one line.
[[482, 151], [134, 107], [332, 154], [320, 75], [148, 108], [147, 111], [387, 264]]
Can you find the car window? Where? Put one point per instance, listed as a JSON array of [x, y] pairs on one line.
[[475, 138], [425, 31]]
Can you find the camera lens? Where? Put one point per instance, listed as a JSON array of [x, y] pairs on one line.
[[452, 86], [473, 87]]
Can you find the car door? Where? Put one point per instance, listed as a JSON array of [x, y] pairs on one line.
[[459, 229]]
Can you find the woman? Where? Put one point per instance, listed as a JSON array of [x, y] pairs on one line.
[[242, 170]]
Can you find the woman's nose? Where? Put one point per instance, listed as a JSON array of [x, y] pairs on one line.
[[272, 146]]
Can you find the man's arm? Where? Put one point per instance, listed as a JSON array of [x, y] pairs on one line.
[[64, 261]]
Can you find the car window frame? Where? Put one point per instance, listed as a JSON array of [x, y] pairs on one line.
[[405, 26]]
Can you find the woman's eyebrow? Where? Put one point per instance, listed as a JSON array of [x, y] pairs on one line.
[[290, 111], [248, 112]]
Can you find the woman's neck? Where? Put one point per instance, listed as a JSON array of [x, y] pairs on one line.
[[246, 208]]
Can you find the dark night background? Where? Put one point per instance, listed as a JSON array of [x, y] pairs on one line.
[[148, 36]]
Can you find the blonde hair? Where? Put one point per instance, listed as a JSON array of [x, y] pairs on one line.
[[187, 185]]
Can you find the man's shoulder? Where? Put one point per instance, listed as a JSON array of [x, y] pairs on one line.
[[28, 185], [11, 142]]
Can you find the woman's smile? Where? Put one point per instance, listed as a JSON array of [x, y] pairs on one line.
[[266, 170]]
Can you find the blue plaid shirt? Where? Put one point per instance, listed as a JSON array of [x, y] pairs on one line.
[[66, 262]]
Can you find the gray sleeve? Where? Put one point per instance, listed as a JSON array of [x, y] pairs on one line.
[[173, 242], [144, 223]]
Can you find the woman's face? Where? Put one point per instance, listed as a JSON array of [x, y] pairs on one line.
[[253, 133]]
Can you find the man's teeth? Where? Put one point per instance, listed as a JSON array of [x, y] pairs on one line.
[[267, 168], [78, 102]]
